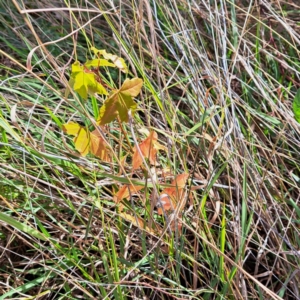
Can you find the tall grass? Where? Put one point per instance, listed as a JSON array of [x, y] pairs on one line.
[[219, 79]]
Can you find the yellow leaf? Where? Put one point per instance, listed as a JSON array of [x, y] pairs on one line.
[[120, 102], [98, 63], [118, 61], [71, 128], [76, 67], [109, 110], [97, 88], [117, 104], [124, 104], [159, 146], [82, 142]]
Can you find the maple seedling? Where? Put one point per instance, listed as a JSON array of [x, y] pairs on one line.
[[86, 81]]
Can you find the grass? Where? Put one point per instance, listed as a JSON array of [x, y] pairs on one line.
[[219, 80]]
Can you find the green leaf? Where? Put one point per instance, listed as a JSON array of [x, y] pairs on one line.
[[274, 121], [296, 106], [22, 289], [84, 82], [9, 129], [54, 117], [21, 226]]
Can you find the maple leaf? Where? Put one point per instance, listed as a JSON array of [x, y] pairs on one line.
[[84, 82], [82, 142], [116, 105], [125, 191], [171, 196], [131, 87], [98, 146], [120, 102], [86, 141], [118, 61], [149, 148], [81, 139], [98, 63], [71, 128]]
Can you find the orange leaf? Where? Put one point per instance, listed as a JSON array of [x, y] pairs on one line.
[[180, 180], [136, 160], [125, 191], [176, 226], [171, 196], [166, 202], [98, 146], [149, 148]]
